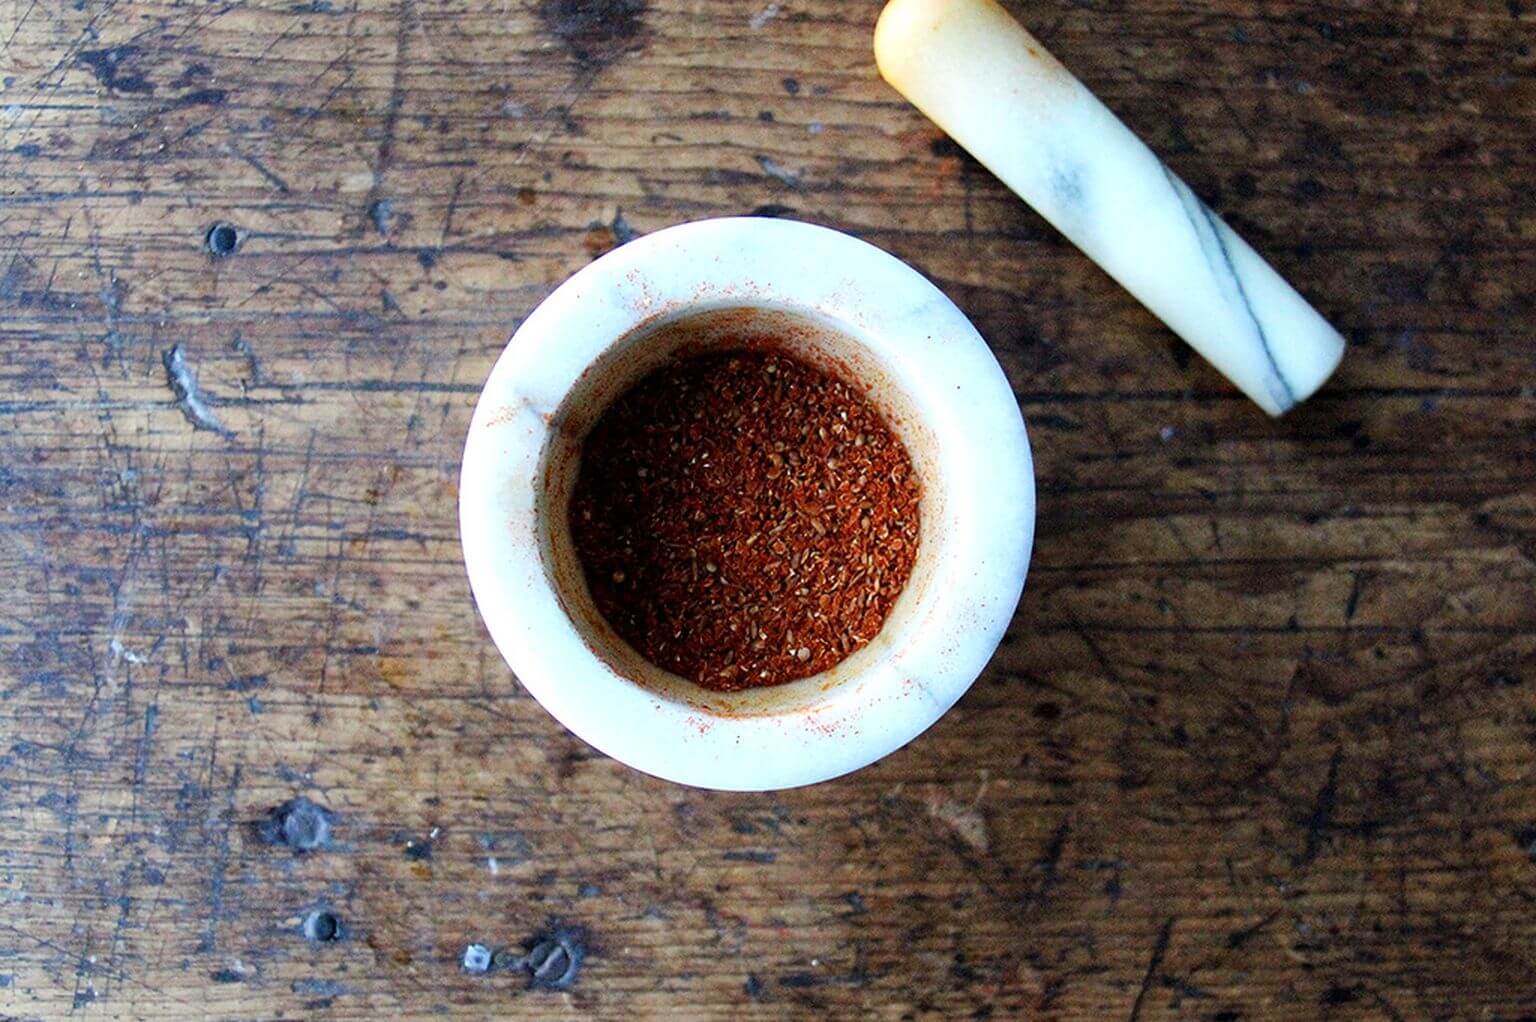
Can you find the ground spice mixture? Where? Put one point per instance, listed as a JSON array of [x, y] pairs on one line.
[[744, 519]]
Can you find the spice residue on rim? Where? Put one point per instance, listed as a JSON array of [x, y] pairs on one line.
[[744, 519]]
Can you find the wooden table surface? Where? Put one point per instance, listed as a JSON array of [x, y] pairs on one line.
[[1260, 742]]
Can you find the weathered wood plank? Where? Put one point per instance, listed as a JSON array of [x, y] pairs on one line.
[[1258, 744]]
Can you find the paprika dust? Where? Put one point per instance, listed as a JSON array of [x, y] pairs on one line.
[[744, 519]]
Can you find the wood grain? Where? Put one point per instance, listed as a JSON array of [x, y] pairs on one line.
[[1259, 744]]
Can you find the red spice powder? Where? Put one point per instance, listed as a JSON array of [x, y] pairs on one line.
[[744, 519]]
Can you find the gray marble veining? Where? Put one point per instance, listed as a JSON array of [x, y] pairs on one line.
[[995, 89]]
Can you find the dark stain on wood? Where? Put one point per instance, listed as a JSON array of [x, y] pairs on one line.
[[114, 69], [596, 32]]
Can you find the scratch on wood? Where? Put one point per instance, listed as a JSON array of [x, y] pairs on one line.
[[189, 396], [220, 865], [1049, 865], [1354, 598], [1321, 820], [271, 178], [1237, 938], [780, 173], [1159, 949], [386, 153]]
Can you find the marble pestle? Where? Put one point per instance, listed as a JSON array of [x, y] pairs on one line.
[[991, 85]]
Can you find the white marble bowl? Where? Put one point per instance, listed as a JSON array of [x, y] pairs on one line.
[[845, 305]]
